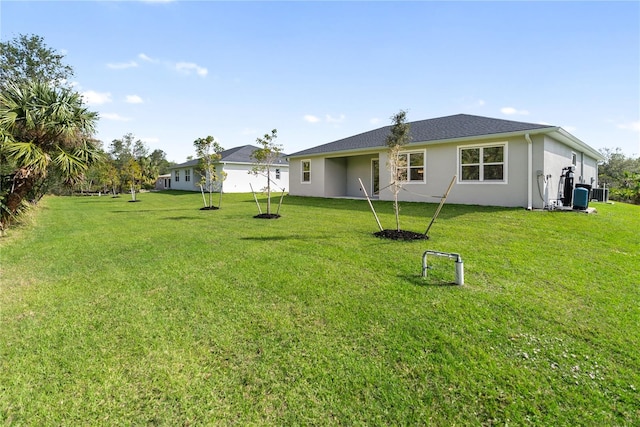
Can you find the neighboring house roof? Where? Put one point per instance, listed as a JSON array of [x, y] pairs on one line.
[[186, 164], [459, 126], [242, 154]]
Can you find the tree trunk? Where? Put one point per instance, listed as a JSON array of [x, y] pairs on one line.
[[396, 208], [23, 182]]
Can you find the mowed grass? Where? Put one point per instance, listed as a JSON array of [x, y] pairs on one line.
[[157, 313]]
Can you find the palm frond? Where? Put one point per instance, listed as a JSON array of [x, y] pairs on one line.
[[26, 154]]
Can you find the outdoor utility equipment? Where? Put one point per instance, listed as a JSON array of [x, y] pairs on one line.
[[565, 186]]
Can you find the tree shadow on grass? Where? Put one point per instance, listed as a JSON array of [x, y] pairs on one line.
[[424, 210], [182, 218], [282, 238], [148, 210]]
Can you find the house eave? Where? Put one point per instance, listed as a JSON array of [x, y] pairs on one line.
[[575, 143], [342, 153]]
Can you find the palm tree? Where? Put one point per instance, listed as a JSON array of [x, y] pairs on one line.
[[44, 131]]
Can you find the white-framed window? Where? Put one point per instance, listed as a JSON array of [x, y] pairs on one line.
[[277, 173], [413, 169], [177, 177], [483, 163], [187, 175], [574, 159], [306, 170]]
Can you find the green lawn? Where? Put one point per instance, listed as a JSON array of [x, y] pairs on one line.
[[157, 313]]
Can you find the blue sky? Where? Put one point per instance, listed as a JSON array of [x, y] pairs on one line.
[[170, 72]]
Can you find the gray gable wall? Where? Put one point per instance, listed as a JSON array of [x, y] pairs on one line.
[[442, 128]]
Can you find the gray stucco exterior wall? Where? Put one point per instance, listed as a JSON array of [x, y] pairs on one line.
[[337, 176]]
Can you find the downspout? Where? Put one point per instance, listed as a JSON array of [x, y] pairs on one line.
[[529, 171]]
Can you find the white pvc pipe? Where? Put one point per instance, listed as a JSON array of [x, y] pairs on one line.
[[459, 278]]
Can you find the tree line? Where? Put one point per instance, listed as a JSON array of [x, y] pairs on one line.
[[47, 134], [621, 174], [127, 165]]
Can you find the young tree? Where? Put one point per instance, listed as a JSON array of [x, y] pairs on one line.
[[112, 178], [266, 157], [208, 151], [134, 174], [397, 162], [28, 58], [123, 151], [44, 132], [120, 151]]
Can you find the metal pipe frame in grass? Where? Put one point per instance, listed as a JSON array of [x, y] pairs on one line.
[[459, 280]]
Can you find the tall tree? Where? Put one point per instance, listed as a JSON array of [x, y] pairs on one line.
[[265, 159], [28, 58], [44, 131], [125, 152], [208, 152], [397, 162], [159, 159]]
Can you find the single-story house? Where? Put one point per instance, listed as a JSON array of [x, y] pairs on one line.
[[496, 162], [236, 163]]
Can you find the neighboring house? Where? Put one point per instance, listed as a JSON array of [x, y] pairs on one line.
[[237, 164], [163, 182], [497, 162]]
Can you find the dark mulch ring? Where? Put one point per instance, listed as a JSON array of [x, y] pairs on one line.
[[400, 235], [267, 216], [210, 208]]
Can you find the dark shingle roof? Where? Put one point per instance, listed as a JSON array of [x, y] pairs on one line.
[[240, 154], [439, 129]]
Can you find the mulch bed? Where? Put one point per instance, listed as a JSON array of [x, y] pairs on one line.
[[209, 208], [400, 235], [267, 216]]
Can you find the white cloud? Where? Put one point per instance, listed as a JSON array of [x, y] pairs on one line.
[[339, 119], [632, 126], [92, 97], [122, 65], [188, 67], [374, 121], [510, 111], [115, 117], [328, 118], [146, 58], [134, 99]]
